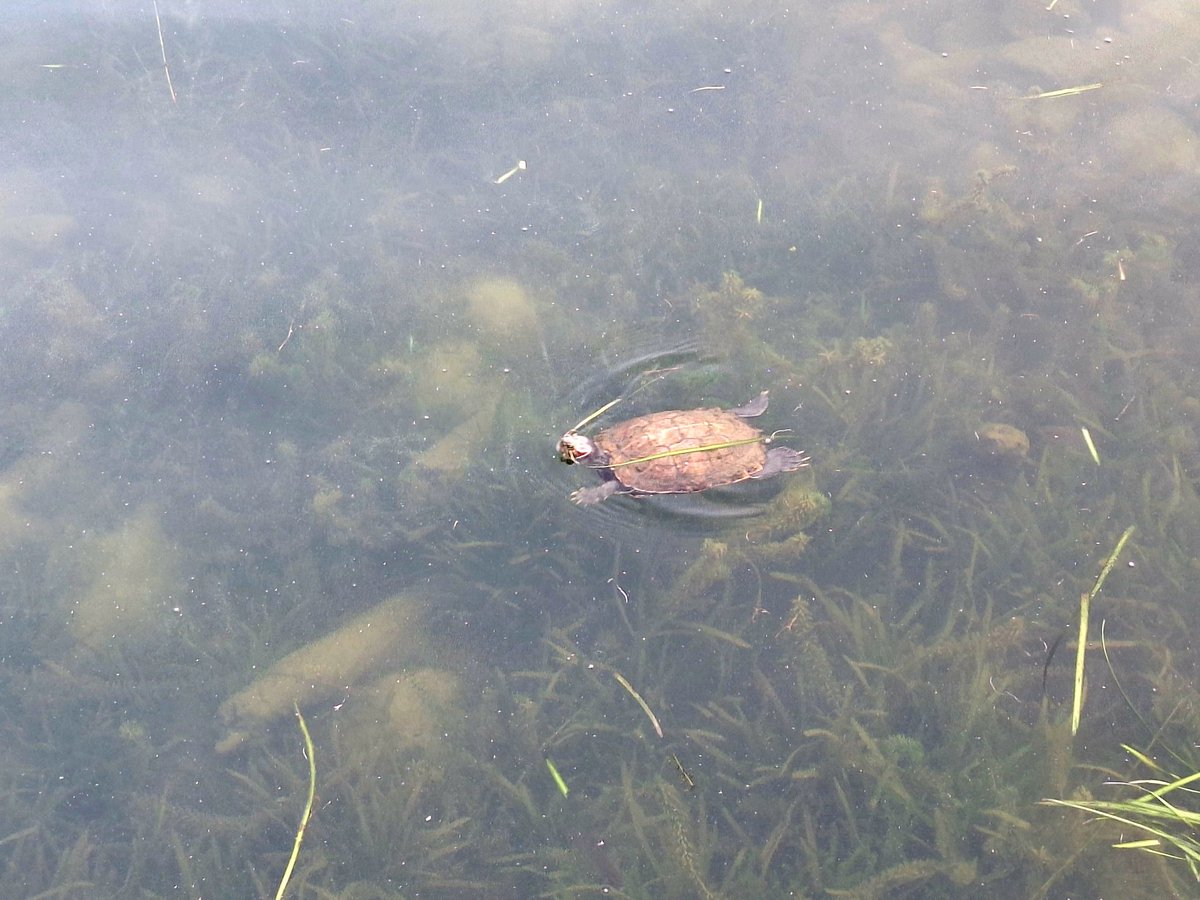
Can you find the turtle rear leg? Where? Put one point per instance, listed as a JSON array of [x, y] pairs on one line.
[[589, 495], [755, 407], [782, 459]]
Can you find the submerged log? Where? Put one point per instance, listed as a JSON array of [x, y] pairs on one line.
[[384, 636]]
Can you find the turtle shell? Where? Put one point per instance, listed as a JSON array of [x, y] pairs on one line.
[[677, 430]]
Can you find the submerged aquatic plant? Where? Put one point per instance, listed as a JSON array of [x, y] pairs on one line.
[[1164, 810]]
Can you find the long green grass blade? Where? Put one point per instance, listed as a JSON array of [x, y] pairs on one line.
[[1085, 602]]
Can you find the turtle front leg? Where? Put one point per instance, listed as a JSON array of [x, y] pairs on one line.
[[589, 495]]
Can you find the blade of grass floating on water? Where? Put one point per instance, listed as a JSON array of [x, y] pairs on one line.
[[521, 166], [642, 703], [310, 753], [1091, 445], [558, 779], [162, 46], [1077, 703], [1085, 601], [1065, 92], [680, 451], [591, 417]]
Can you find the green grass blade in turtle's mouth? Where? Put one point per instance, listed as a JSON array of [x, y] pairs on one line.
[[680, 451], [591, 417]]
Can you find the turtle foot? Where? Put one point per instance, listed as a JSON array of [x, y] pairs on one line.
[[589, 495], [782, 459], [755, 407]]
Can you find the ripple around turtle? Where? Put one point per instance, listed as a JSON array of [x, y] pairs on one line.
[[710, 513], [669, 369], [635, 372]]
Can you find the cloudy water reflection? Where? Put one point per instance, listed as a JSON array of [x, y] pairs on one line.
[[297, 303]]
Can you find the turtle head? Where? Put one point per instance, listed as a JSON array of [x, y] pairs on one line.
[[574, 446]]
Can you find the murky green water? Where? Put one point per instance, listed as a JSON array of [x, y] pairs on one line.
[[287, 344]]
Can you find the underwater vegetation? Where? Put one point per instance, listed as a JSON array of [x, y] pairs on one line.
[[1158, 810], [279, 416]]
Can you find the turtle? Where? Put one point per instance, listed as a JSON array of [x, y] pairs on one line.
[[678, 451]]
